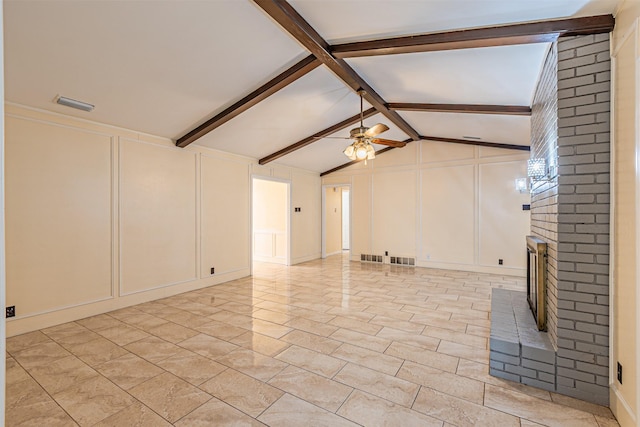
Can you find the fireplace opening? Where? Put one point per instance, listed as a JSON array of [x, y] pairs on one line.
[[536, 280]]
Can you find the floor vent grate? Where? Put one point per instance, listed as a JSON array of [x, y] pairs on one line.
[[398, 260], [370, 258]]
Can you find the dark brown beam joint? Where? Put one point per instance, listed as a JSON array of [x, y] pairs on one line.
[[533, 32], [274, 85], [585, 26], [316, 136], [285, 15], [515, 110]]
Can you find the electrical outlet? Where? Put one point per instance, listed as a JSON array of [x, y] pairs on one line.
[[11, 311], [619, 373], [500, 261], [213, 270]]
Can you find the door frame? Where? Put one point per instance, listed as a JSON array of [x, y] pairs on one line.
[[324, 216], [287, 213]]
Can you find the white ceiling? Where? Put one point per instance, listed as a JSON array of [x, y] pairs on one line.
[[488, 127], [504, 75], [162, 67], [342, 21], [157, 67], [306, 106]]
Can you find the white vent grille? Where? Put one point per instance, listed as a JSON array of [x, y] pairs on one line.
[[370, 258], [398, 260]]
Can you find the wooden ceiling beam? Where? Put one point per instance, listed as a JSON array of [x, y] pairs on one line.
[[533, 32], [515, 110], [317, 136], [274, 85], [478, 143], [285, 15]]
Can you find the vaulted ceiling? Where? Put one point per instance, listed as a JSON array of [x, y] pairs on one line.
[[269, 79]]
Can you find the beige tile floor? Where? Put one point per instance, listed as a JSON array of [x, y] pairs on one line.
[[325, 343]]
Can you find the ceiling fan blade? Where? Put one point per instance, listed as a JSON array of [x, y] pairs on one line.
[[389, 142], [376, 130], [330, 137]]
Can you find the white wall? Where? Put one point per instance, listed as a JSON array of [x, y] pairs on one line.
[[625, 221], [99, 218], [2, 234], [225, 217], [449, 206], [157, 200], [270, 212], [306, 243]]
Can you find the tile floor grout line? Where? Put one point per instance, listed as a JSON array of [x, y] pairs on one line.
[[42, 387]]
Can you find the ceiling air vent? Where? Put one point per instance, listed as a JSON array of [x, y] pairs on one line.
[[78, 105]]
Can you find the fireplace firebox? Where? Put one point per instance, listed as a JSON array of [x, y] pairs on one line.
[[536, 279]]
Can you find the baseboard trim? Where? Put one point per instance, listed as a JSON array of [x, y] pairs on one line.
[[333, 253], [272, 260], [503, 271], [300, 260], [620, 408], [45, 320]]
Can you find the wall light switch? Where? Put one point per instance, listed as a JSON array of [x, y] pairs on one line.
[[619, 373]]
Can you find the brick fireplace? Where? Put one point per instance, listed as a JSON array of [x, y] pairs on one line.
[[570, 213]]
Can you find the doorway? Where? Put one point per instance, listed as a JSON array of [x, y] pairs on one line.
[[336, 219], [270, 223], [346, 197]]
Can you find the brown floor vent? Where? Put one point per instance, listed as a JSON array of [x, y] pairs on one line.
[[371, 258], [402, 261]]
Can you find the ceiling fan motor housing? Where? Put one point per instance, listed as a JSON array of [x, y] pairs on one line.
[[358, 132]]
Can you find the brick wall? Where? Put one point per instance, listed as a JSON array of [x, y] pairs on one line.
[[569, 211], [544, 195], [583, 217]]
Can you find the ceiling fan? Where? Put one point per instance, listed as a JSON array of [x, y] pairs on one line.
[[363, 137]]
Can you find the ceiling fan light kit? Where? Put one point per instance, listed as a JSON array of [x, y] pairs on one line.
[[350, 152], [361, 148]]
